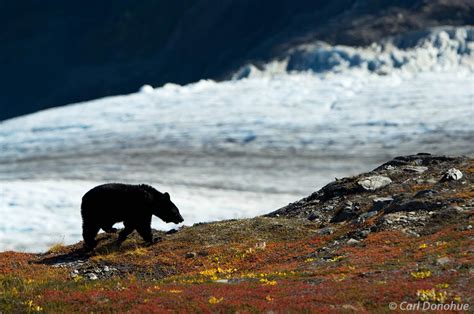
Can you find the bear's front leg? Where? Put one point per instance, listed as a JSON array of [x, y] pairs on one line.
[[89, 231], [145, 232]]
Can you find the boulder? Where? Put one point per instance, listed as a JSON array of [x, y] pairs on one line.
[[373, 183], [452, 174]]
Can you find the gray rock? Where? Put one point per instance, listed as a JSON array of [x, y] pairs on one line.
[[373, 183], [413, 205], [443, 261], [425, 193], [326, 231], [364, 233], [92, 276], [352, 241], [191, 255], [367, 215], [106, 268], [464, 228], [387, 199], [415, 169], [452, 174], [411, 232], [381, 202], [349, 307], [459, 209], [222, 281], [323, 249], [327, 208], [346, 213], [313, 216]]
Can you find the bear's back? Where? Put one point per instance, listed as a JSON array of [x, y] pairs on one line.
[[112, 201]]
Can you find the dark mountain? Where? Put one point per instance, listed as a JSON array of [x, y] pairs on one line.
[[56, 52]]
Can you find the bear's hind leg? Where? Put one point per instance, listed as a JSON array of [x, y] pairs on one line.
[[88, 233], [124, 233]]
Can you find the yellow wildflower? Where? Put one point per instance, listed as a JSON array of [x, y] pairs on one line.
[[336, 258], [214, 300], [32, 306], [421, 274], [249, 275], [342, 277], [268, 282], [77, 278], [431, 295]]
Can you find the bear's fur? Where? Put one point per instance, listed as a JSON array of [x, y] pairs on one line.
[[134, 205]]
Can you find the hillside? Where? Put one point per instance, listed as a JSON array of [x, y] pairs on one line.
[[60, 52], [402, 232]]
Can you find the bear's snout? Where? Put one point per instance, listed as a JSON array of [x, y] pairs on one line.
[[178, 220]]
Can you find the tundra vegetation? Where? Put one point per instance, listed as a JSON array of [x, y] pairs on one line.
[[356, 245]]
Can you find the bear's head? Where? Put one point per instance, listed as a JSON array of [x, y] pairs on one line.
[[165, 209]]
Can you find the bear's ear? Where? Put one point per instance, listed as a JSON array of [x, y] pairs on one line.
[[166, 195]]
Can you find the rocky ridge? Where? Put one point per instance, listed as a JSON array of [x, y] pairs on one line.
[[410, 193]]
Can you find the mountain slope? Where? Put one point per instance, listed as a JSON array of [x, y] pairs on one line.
[[404, 253]]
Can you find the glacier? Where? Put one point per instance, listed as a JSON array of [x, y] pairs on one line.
[[436, 49], [242, 147]]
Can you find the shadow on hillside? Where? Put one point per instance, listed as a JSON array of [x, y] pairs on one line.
[[77, 253], [64, 258], [106, 244]]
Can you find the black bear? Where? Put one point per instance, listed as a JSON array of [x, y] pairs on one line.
[[134, 205]]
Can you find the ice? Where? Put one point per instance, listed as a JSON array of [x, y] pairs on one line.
[[146, 89], [343, 112], [437, 49]]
